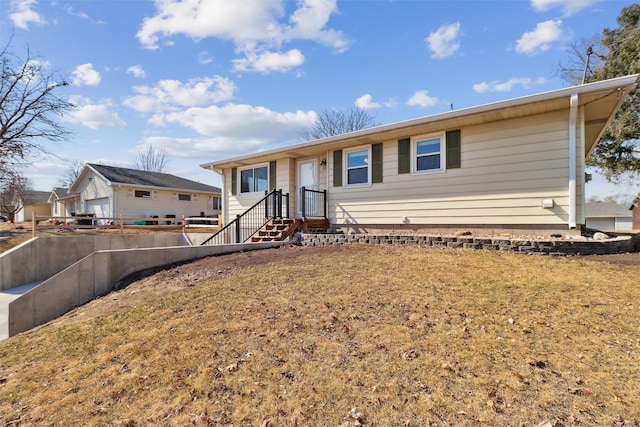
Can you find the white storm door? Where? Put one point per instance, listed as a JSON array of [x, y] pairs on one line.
[[307, 178]]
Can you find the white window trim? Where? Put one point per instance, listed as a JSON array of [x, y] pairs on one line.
[[414, 153], [239, 183], [345, 162]]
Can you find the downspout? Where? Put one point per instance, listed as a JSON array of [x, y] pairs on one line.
[[573, 115]]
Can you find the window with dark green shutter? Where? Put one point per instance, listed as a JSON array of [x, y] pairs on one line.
[[453, 149], [272, 175], [234, 181], [337, 168], [376, 163], [404, 155]]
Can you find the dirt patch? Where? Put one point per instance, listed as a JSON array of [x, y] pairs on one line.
[[157, 283]]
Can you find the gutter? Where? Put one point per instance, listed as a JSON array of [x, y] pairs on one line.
[[573, 113]]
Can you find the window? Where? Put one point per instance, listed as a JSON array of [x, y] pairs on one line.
[[217, 203], [357, 170], [427, 153], [144, 194], [185, 197], [254, 180]]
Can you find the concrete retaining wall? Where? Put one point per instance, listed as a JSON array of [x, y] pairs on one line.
[[97, 274], [549, 247], [40, 258]]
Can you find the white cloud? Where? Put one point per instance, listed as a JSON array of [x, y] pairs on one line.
[[171, 94], [269, 61], [137, 71], [245, 126], [204, 58], [444, 41], [508, 86], [568, 7], [94, 115], [85, 75], [421, 98], [254, 26], [71, 11], [22, 14], [540, 39], [365, 102]]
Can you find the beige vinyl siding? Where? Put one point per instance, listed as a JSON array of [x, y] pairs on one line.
[[165, 203], [507, 170]]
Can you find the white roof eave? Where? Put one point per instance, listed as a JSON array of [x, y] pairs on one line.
[[612, 84]]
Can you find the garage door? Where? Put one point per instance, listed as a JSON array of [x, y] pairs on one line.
[[100, 208]]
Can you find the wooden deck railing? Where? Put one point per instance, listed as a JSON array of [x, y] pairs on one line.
[[72, 223]]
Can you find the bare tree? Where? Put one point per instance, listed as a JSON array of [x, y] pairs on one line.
[[29, 108], [585, 58], [337, 122], [71, 173], [152, 159], [18, 189]]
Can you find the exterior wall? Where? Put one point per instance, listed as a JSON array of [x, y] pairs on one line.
[[610, 223], [122, 202], [26, 212], [507, 169], [161, 204], [93, 187]]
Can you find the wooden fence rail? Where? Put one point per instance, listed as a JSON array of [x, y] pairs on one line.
[[71, 223]]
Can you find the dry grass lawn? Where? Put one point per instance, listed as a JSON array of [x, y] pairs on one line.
[[359, 335]]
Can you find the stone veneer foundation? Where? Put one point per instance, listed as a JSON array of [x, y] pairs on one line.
[[551, 246]]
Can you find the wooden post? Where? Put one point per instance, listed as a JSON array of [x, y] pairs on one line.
[[121, 225], [219, 221], [33, 224], [184, 225]]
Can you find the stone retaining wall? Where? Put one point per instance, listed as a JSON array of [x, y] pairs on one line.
[[520, 245]]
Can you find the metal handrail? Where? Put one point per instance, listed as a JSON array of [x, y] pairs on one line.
[[311, 201], [263, 211]]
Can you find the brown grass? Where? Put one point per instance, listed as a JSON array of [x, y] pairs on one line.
[[360, 335]]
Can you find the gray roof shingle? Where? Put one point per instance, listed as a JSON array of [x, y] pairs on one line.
[[118, 175]]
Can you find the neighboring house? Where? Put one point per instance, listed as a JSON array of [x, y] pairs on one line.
[[515, 164], [635, 213], [62, 203], [608, 216], [32, 202], [111, 192]]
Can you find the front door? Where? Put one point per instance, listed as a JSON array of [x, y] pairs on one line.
[[307, 178]]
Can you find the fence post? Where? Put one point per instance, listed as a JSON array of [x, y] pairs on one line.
[[121, 225], [33, 224], [219, 221], [303, 202], [184, 224]]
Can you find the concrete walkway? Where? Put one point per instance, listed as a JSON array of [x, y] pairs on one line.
[[6, 297]]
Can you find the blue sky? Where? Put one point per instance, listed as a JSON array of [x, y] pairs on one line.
[[209, 79]]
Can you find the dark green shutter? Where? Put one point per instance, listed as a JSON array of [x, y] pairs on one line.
[[376, 163], [337, 168], [272, 175], [453, 149], [234, 181], [404, 155]]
